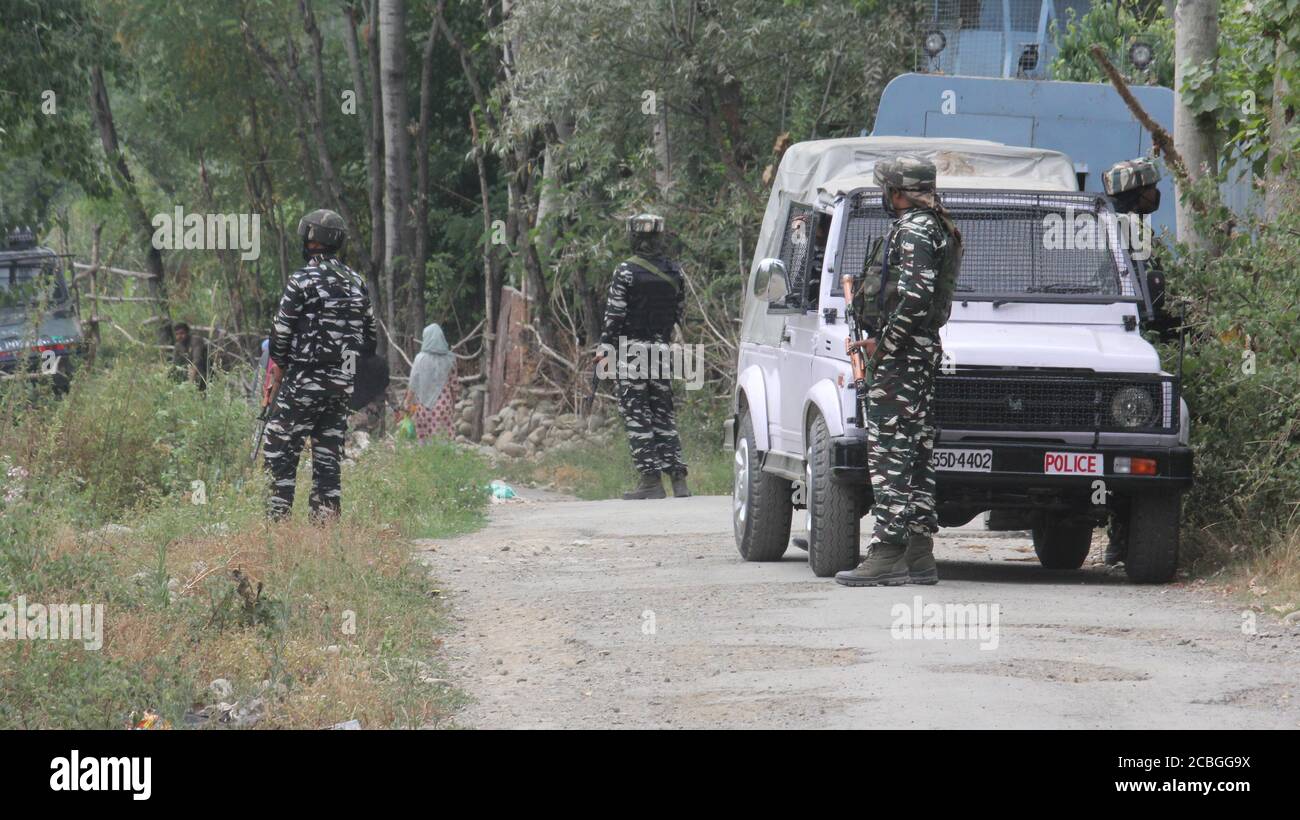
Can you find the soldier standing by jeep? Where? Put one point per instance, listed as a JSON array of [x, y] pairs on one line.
[[647, 298], [324, 326], [919, 267], [1131, 186]]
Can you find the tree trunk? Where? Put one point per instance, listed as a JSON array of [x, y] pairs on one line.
[[415, 305], [1279, 173], [1196, 40], [125, 183], [397, 171], [491, 268], [370, 110], [663, 152], [548, 199]]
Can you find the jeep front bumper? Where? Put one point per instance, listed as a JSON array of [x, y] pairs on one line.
[[1020, 466]]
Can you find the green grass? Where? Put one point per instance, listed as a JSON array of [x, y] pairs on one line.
[[347, 621], [594, 470]]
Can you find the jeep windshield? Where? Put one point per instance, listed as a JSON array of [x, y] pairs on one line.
[[1018, 246], [28, 281]]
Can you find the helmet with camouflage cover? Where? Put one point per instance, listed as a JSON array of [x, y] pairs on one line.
[[323, 227], [645, 233], [1130, 174], [1132, 185], [906, 173]]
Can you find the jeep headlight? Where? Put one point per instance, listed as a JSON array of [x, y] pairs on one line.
[[1132, 407]]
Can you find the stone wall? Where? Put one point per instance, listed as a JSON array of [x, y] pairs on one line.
[[525, 427]]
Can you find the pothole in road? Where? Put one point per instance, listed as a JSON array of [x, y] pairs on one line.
[[1272, 696], [1057, 671]]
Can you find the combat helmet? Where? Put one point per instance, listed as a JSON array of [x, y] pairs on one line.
[[907, 173], [325, 228], [645, 233]]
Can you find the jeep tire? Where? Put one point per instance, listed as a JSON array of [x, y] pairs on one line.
[[1062, 545], [761, 503], [1153, 538], [833, 519]]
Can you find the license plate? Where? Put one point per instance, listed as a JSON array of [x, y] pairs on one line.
[[1072, 464], [964, 461]]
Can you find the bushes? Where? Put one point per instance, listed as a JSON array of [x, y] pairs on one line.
[[310, 625], [1242, 379], [126, 435]]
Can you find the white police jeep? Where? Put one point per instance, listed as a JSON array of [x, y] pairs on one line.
[[1052, 408]]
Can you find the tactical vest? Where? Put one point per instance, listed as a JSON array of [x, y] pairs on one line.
[[652, 299], [877, 294], [332, 324]]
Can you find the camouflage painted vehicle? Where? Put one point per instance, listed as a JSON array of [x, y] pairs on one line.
[[40, 334]]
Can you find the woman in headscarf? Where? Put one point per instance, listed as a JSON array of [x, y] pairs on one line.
[[433, 390]]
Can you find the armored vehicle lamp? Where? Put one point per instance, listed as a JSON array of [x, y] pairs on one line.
[[934, 43], [1140, 55]]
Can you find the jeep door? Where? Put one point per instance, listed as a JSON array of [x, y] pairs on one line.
[[799, 251]]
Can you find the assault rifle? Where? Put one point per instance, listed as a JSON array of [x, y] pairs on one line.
[[262, 418], [857, 333], [857, 359]]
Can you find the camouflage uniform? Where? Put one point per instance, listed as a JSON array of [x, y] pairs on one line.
[[324, 326], [900, 434], [900, 430], [647, 298]]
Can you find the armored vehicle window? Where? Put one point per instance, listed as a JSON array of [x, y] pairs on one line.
[[797, 251]]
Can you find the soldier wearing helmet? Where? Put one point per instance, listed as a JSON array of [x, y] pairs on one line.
[[325, 325], [647, 298], [918, 273]]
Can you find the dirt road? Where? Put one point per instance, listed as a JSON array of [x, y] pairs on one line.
[[641, 614]]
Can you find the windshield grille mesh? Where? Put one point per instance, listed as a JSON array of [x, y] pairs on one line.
[[1015, 244]]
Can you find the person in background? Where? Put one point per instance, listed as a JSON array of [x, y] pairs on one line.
[[190, 355], [433, 390]]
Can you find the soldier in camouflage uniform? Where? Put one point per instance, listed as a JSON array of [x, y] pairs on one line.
[[647, 298], [1131, 185], [324, 326], [920, 262]]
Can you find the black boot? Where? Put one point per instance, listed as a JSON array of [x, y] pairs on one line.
[[921, 568], [651, 486], [680, 490]]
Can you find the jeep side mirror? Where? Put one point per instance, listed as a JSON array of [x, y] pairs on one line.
[[771, 284]]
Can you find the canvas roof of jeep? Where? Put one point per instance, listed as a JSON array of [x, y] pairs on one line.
[[808, 168], [815, 172]]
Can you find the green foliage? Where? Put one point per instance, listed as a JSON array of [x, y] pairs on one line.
[[131, 434], [1242, 378], [434, 489], [1258, 42], [177, 613], [728, 79], [60, 684], [46, 50], [1116, 25], [595, 469]]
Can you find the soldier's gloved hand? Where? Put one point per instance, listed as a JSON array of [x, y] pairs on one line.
[[272, 382]]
